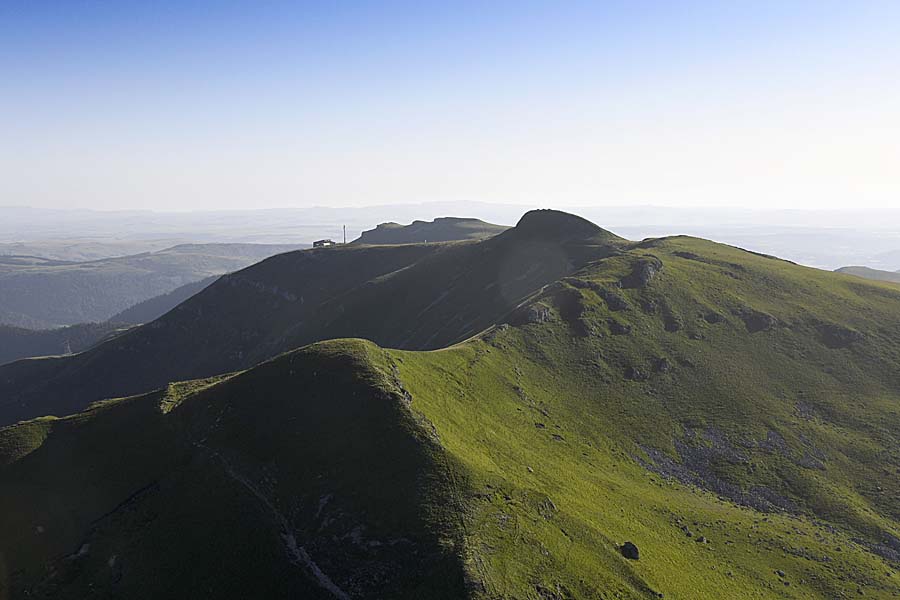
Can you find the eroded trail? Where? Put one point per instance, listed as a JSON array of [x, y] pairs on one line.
[[297, 553]]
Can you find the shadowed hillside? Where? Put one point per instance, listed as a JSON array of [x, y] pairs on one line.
[[732, 416], [153, 308], [17, 343], [410, 296], [213, 486]]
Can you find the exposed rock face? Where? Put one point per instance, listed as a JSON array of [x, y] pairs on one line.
[[643, 273], [536, 313], [577, 283], [630, 551], [837, 336], [712, 317], [662, 365], [617, 328], [672, 322], [614, 301], [700, 450], [636, 374], [570, 303], [755, 320]]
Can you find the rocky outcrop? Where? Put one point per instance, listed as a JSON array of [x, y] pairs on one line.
[[534, 313], [617, 328], [642, 273], [755, 320], [837, 336], [614, 301]]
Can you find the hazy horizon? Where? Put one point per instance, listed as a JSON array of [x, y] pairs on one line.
[[823, 239], [209, 106]]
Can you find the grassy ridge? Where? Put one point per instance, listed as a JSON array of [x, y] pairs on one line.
[[231, 487], [733, 415], [412, 296], [442, 229], [554, 433]]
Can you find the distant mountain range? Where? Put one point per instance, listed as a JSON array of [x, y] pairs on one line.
[[552, 412], [875, 274], [39, 293], [17, 343], [152, 309], [825, 239]]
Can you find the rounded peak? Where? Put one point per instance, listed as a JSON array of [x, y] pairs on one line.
[[558, 224]]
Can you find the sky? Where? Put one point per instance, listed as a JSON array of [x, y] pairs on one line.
[[225, 105]]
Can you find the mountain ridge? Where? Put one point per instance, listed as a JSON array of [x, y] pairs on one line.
[[251, 315], [441, 229], [732, 416]]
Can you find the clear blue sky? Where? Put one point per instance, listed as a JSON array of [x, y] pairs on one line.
[[239, 104]]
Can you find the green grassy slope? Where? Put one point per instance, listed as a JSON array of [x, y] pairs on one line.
[[733, 415], [407, 296], [444, 229], [308, 477], [777, 449]]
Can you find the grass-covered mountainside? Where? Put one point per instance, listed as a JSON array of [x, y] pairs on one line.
[[735, 417], [443, 229], [39, 293], [153, 308], [16, 342], [869, 273], [414, 296]]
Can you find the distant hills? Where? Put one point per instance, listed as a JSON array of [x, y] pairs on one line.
[[821, 238], [444, 229], [875, 274], [553, 412], [153, 308], [16, 342], [21, 343], [39, 293]]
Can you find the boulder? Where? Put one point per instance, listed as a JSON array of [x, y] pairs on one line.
[[712, 317], [630, 551], [617, 328], [662, 365], [635, 374]]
